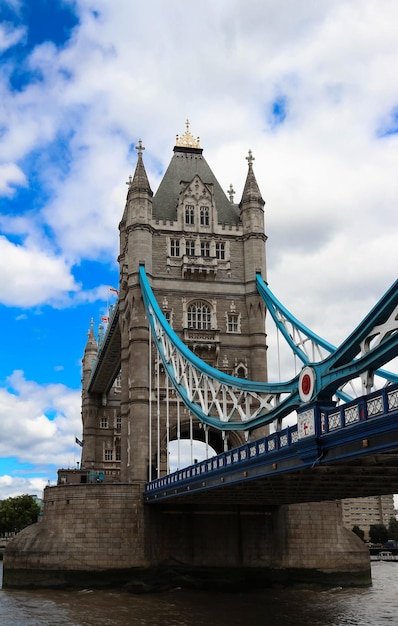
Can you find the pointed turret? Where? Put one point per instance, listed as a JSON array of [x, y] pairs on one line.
[[89, 403], [137, 215], [252, 217], [139, 182], [251, 196], [90, 352]]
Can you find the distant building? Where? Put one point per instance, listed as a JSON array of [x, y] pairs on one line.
[[365, 512]]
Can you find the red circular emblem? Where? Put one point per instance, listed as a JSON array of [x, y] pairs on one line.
[[306, 384]]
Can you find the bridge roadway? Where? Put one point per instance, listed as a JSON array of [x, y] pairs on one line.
[[332, 453]]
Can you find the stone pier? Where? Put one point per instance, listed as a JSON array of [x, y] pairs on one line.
[[103, 535]]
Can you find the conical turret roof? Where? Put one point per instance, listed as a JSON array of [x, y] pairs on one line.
[[91, 345], [251, 190], [139, 182]]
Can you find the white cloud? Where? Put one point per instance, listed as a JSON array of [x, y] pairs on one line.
[[12, 486], [10, 36], [29, 276], [39, 422], [10, 176]]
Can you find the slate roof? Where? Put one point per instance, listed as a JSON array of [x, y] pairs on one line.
[[184, 165]]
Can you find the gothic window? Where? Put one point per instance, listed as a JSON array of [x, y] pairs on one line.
[[174, 247], [205, 248], [118, 453], [108, 455], [118, 422], [189, 214], [233, 323], [104, 422], [220, 250], [241, 372], [204, 216], [199, 316], [190, 248]]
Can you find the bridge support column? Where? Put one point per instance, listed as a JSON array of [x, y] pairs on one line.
[[258, 546], [315, 546]]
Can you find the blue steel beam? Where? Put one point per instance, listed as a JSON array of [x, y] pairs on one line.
[[380, 313], [349, 348], [276, 309], [332, 375]]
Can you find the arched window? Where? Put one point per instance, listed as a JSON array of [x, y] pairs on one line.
[[199, 315]]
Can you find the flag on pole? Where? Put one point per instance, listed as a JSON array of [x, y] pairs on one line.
[[114, 290], [105, 319], [79, 443]]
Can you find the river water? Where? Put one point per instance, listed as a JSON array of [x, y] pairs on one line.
[[373, 606]]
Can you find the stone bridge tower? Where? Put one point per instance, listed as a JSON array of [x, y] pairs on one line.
[[201, 252]]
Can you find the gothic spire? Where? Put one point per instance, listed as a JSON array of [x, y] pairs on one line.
[[91, 345], [251, 191], [139, 182]]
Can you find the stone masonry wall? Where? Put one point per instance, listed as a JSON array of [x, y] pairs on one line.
[[84, 527]]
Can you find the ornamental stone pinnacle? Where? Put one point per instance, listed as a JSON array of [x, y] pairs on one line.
[[250, 158], [140, 148]]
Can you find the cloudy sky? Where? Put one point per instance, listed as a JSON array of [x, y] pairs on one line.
[[310, 86]]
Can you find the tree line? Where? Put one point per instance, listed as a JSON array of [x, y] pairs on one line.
[[379, 533], [17, 513]]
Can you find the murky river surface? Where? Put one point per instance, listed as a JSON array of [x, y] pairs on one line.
[[373, 606]]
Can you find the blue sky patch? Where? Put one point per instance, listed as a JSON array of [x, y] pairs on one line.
[[278, 111], [47, 20], [389, 126], [44, 21], [92, 273]]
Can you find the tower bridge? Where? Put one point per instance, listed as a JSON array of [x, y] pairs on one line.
[[185, 353]]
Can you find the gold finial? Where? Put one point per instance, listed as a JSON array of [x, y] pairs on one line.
[[187, 140]]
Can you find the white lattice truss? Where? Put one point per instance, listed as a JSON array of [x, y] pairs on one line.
[[218, 397]]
